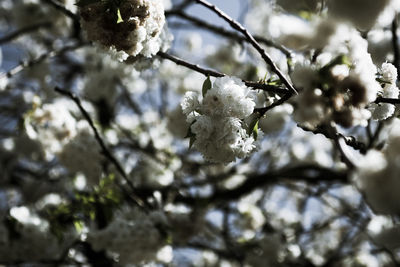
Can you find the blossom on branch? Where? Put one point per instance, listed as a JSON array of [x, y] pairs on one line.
[[217, 121]]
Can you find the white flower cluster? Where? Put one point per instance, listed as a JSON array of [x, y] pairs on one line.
[[377, 175], [34, 241], [341, 87], [383, 111], [217, 120], [362, 13], [300, 5], [104, 74], [37, 12], [139, 32], [82, 155], [53, 131], [134, 237], [151, 172], [52, 125]]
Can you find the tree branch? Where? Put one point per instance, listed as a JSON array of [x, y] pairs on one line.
[[224, 32], [61, 7], [237, 26], [39, 59], [308, 173], [395, 43], [107, 153], [213, 73], [31, 28], [394, 101]]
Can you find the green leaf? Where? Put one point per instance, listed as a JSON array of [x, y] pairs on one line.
[[82, 3], [253, 128], [78, 225], [206, 86], [339, 60], [119, 17], [191, 135]]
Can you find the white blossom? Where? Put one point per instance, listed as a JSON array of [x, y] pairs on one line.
[[138, 33], [133, 235], [218, 126]]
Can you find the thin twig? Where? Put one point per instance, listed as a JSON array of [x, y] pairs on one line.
[[340, 143], [350, 140], [62, 8], [279, 102], [195, 67], [226, 33], [31, 28], [237, 26], [214, 73], [394, 101], [107, 153], [29, 63], [309, 173], [395, 43]]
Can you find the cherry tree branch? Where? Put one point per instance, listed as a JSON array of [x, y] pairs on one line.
[[31, 28], [237, 26], [60, 7], [224, 32], [32, 62], [349, 140], [279, 102], [214, 73], [310, 174], [106, 152], [395, 43], [394, 101]]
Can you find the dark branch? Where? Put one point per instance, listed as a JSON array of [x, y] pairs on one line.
[[213, 73], [107, 153], [349, 140], [11, 36], [279, 102], [395, 43], [309, 173], [237, 26], [394, 101], [62, 8], [38, 60], [224, 32]]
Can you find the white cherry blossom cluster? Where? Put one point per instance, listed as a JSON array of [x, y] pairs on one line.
[[37, 12], [34, 241], [52, 125], [83, 155], [139, 32], [134, 237], [341, 84], [377, 175], [104, 75], [217, 120], [383, 111], [52, 130], [363, 14], [152, 172]]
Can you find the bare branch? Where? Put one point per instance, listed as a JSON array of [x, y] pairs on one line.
[[394, 101], [214, 73], [62, 8], [29, 63], [31, 28], [236, 25], [395, 43], [107, 153], [224, 32]]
